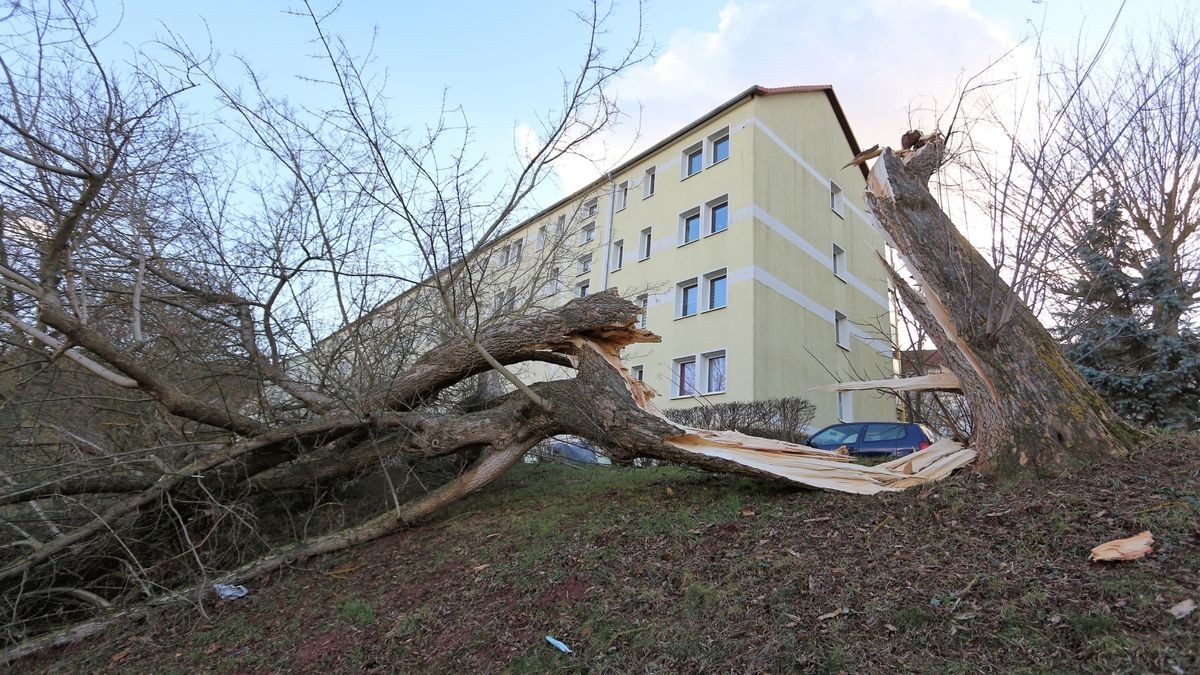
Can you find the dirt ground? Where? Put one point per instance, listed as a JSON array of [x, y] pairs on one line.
[[667, 570]]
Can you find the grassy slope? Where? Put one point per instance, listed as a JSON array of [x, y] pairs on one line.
[[664, 570]]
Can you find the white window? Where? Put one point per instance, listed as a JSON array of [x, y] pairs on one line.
[[689, 226], [837, 200], [839, 262], [591, 207], [554, 283], [701, 374], [684, 376], [717, 215], [622, 195], [687, 298], [584, 264], [644, 240], [714, 372], [510, 299], [581, 290], [693, 160], [514, 253], [841, 330], [638, 373], [648, 183], [560, 225], [845, 406], [618, 255], [715, 295], [542, 236], [643, 301], [718, 145], [587, 233]]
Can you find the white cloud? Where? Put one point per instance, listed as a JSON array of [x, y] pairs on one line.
[[883, 57]]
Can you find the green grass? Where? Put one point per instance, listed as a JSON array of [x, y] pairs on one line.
[[662, 570]]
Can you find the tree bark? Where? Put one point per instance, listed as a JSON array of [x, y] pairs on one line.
[[1030, 407]]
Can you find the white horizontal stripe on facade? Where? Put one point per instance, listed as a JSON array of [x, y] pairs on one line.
[[801, 243], [869, 220], [755, 273]]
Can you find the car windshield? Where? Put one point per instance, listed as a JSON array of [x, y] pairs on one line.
[[843, 435]]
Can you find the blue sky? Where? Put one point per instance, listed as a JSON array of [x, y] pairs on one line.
[[502, 62]]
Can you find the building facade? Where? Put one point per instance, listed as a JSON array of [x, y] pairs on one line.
[[751, 250]]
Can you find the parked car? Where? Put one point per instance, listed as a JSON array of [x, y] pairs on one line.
[[875, 438]]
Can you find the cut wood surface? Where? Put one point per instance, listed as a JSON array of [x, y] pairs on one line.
[[943, 381]]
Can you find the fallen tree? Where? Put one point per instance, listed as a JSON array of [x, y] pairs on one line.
[[602, 403]]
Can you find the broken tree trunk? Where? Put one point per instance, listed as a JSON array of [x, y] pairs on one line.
[[1029, 406]]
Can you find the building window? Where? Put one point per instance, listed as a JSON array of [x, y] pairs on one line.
[[587, 233], [514, 255], [638, 372], [841, 330], [693, 160], [560, 225], [687, 298], [542, 235], [581, 290], [648, 183], [845, 406], [584, 264], [591, 207], [644, 244], [622, 195], [714, 290], [618, 255], [720, 145], [643, 301], [718, 215], [839, 262], [837, 200], [714, 372], [689, 225], [685, 376], [510, 300]]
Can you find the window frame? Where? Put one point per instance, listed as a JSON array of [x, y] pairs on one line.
[[617, 254], [587, 233], [643, 302], [694, 212], [712, 141], [845, 408], [681, 293], [710, 209], [677, 375], [542, 236], [591, 207], [622, 195], [708, 280], [841, 330], [707, 359], [584, 264], [837, 200], [648, 182], [688, 153], [638, 372], [582, 288], [839, 262], [645, 242]]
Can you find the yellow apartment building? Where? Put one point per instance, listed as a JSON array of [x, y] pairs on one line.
[[750, 249]]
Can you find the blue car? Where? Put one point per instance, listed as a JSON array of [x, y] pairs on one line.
[[875, 438]]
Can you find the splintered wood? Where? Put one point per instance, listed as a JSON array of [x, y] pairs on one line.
[[943, 381], [1129, 548], [799, 464]]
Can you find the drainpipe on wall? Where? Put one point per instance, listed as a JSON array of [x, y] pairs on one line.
[[612, 204]]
